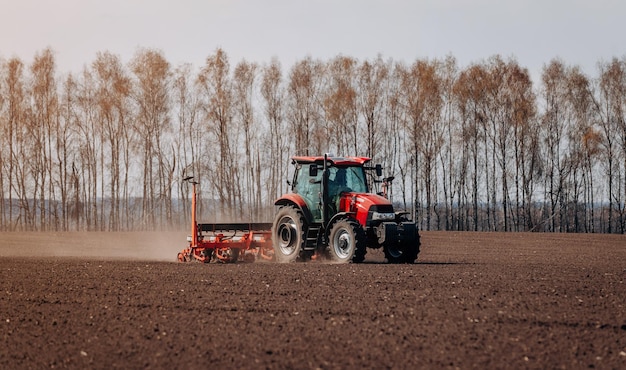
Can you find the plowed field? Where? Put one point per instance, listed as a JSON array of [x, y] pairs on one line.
[[473, 300]]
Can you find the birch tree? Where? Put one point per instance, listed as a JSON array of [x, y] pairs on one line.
[[152, 82]]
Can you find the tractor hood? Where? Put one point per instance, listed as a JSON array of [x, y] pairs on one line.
[[368, 207]]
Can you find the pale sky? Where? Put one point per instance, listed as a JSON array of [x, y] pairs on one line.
[[533, 31]]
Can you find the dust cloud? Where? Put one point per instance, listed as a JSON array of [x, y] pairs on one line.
[[145, 246]]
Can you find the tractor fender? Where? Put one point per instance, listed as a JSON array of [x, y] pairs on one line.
[[297, 201], [338, 216]]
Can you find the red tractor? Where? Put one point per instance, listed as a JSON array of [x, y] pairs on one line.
[[332, 212]]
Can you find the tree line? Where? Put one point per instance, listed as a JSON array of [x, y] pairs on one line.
[[479, 147]]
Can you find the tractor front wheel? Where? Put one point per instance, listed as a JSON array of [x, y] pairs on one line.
[[346, 242], [403, 252], [288, 234], [394, 253], [406, 250]]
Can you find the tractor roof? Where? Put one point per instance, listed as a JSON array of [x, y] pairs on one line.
[[337, 161]]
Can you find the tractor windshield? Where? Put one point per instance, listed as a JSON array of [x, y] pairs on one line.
[[342, 179]]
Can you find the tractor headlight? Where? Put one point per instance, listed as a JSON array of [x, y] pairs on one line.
[[377, 216]]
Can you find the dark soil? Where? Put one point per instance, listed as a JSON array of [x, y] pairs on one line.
[[473, 300]]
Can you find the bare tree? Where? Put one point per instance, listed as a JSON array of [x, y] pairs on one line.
[[42, 125], [64, 151], [528, 165], [339, 104], [87, 163], [397, 153], [515, 114], [113, 92], [216, 88], [273, 98], [372, 85], [581, 147], [152, 74], [70, 193], [303, 104], [451, 130], [19, 142], [189, 137], [421, 84], [497, 138], [610, 107], [243, 101], [555, 119], [470, 96]]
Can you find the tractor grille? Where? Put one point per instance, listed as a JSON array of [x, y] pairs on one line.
[[381, 208]]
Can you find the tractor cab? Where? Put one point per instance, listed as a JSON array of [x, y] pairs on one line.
[[342, 176]]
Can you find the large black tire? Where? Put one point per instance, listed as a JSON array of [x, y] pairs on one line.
[[288, 234], [412, 250], [403, 252], [346, 242]]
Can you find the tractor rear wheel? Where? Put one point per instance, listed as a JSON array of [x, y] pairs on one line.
[[288, 234], [346, 242]]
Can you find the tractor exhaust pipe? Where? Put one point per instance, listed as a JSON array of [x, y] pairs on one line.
[[324, 191]]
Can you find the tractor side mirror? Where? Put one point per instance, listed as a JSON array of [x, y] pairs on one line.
[[379, 170], [313, 170]]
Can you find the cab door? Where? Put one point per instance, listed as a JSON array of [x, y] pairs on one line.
[[309, 188]]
